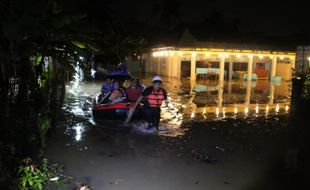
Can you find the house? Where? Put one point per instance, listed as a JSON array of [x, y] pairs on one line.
[[223, 61]]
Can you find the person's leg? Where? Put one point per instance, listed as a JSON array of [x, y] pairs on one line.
[[150, 118], [156, 117]]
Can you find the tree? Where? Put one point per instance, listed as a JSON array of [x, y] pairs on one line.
[[167, 13]]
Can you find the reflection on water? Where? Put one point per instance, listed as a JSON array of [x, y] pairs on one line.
[[198, 101], [78, 132]]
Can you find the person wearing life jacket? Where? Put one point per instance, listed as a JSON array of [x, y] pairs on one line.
[[116, 94], [153, 97], [134, 90]]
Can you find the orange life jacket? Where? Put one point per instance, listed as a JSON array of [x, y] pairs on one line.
[[155, 99]]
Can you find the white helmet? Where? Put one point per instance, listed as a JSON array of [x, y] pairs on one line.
[[157, 79]]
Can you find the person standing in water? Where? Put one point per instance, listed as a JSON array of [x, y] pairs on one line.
[[153, 97]]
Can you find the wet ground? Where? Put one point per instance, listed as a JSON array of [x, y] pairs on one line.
[[217, 139]]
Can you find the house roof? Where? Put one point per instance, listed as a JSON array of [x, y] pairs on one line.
[[187, 40]]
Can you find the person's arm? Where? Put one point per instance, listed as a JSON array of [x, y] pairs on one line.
[[143, 94], [123, 92], [105, 98], [138, 101]]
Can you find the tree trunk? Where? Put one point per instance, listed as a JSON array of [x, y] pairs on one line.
[[4, 86], [296, 98], [53, 98]]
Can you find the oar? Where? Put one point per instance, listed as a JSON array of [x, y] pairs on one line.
[[132, 110]]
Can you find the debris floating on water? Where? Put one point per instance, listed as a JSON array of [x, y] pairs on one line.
[[219, 148]]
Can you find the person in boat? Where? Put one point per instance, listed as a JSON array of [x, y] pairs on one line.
[[116, 94], [134, 90], [153, 97], [106, 87]]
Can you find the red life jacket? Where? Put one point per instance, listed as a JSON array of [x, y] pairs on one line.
[[133, 93], [156, 98]]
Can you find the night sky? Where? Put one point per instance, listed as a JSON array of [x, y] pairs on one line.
[[277, 18]]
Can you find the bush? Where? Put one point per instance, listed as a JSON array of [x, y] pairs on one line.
[[32, 176], [306, 87]]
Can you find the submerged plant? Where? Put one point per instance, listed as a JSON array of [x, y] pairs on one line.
[[32, 176]]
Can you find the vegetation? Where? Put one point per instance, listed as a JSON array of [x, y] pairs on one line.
[[40, 43], [32, 176], [306, 90]]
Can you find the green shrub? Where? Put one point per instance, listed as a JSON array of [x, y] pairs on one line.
[[32, 176], [306, 87]]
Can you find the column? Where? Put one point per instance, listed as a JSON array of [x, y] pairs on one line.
[[169, 61], [222, 68], [220, 94], [273, 67], [230, 71], [176, 66], [271, 93], [250, 68], [293, 62], [248, 92], [193, 66]]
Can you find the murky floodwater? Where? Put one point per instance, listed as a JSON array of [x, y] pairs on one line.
[[235, 123], [196, 101]]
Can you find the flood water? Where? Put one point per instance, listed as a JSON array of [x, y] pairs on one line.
[[220, 136]]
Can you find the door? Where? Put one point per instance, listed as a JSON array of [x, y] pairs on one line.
[[185, 69]]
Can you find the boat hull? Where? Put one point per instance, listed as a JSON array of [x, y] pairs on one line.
[[116, 111]]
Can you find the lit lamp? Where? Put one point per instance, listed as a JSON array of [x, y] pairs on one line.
[[286, 108], [246, 111], [235, 110]]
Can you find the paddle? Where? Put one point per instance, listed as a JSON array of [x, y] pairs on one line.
[[132, 110]]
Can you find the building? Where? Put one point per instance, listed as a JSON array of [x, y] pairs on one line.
[[223, 61], [303, 59]]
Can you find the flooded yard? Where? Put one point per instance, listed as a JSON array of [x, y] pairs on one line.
[[219, 138]]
